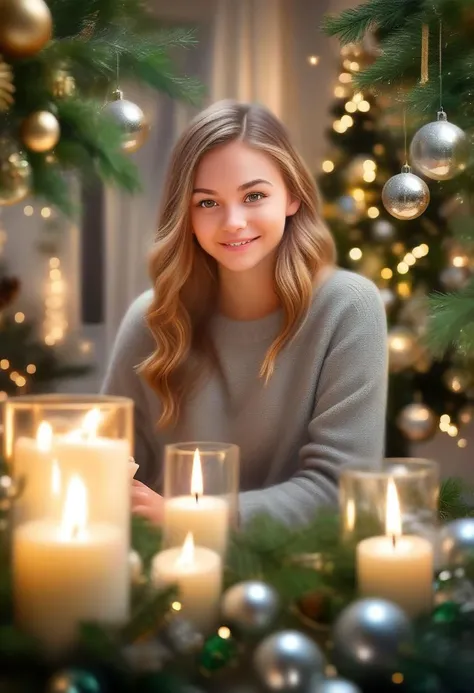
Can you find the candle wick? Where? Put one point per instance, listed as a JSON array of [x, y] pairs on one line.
[[196, 495], [394, 540]]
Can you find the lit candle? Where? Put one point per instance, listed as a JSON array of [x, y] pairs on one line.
[[396, 567], [69, 572], [34, 463], [197, 572], [207, 517], [103, 464]]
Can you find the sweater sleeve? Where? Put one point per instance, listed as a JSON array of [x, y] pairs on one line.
[[132, 345], [348, 421]]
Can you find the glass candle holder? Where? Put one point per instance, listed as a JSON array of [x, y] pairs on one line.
[[392, 513], [200, 493], [70, 541]]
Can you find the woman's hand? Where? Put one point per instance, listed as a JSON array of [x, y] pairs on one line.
[[146, 502]]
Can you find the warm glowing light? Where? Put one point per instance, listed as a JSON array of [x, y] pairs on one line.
[[350, 515], [49, 340], [345, 77], [55, 274], [55, 479], [91, 422], [358, 96], [462, 442], [197, 485], [452, 431], [402, 268], [339, 92], [373, 212], [358, 194], [14, 375], [410, 259], [424, 249], [19, 317], [4, 364], [363, 106], [417, 252], [328, 166], [445, 418], [20, 381], [350, 107], [54, 262], [386, 273], [354, 66], [186, 557], [44, 437], [46, 212], [313, 59], [339, 127], [31, 368], [224, 632], [369, 176], [393, 519], [378, 149], [347, 121], [28, 211], [74, 520], [398, 248], [369, 165], [176, 606], [355, 253], [443, 426], [460, 261], [397, 677]]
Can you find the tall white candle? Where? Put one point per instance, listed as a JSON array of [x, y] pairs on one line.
[[396, 567], [69, 572], [197, 572], [207, 517]]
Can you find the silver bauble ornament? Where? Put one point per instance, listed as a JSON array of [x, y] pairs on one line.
[[405, 196], [457, 542], [335, 686], [417, 422], [383, 230], [457, 380], [288, 661], [440, 150], [454, 278], [180, 636], [366, 640], [403, 349], [130, 119], [250, 607], [15, 174], [73, 681]]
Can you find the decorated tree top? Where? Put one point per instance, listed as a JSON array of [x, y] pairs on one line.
[[60, 61]]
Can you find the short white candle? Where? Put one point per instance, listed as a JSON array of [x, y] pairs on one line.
[[207, 517], [396, 567], [197, 572], [69, 572]]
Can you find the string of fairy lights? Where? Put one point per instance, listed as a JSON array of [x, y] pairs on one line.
[[366, 204]]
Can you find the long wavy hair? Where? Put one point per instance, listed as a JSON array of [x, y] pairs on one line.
[[185, 277]]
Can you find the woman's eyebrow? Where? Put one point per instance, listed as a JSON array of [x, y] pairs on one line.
[[244, 186]]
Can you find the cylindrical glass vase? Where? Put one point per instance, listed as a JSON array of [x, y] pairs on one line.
[[363, 497], [201, 483], [71, 522]]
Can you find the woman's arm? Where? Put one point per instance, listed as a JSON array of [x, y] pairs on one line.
[[348, 421]]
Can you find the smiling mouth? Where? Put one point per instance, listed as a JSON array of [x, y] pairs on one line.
[[237, 244]]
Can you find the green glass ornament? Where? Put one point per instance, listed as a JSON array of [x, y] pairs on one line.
[[446, 613], [73, 681], [217, 652]]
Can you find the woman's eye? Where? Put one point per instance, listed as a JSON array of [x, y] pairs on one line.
[[255, 197], [206, 204]]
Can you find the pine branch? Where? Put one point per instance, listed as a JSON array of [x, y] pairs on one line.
[[456, 499], [352, 25], [452, 321]]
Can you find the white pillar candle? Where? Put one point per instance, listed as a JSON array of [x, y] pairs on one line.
[[197, 572], [396, 567], [35, 464], [207, 517], [69, 572]]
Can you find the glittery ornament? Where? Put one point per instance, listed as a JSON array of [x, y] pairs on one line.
[[40, 131], [15, 173], [6, 86], [130, 119], [457, 542], [250, 607], [288, 661], [403, 349], [417, 422], [440, 149], [405, 196]]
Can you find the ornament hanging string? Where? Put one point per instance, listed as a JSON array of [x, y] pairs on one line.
[[441, 66], [425, 43], [405, 133]]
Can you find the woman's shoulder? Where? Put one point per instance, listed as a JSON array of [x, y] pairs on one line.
[[343, 289], [134, 334]]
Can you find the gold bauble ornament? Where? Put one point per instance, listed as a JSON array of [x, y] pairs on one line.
[[417, 422], [63, 84], [25, 27], [6, 86], [40, 131], [130, 119], [403, 349], [15, 174]]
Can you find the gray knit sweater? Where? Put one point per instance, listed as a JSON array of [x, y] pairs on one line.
[[322, 410]]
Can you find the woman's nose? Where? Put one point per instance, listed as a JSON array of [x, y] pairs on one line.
[[235, 221]]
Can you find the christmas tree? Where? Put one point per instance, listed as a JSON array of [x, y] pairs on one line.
[[63, 116], [426, 56], [406, 259]]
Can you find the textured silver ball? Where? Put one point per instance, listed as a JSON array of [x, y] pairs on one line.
[[288, 661], [250, 607], [403, 349], [454, 278], [383, 230], [440, 150], [367, 637], [335, 686], [417, 422], [130, 119], [405, 196], [457, 542]]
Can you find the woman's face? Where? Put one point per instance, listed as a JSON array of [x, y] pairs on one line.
[[239, 206]]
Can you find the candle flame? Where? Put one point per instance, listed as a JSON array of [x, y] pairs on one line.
[[186, 557], [393, 517], [55, 479], [196, 476], [350, 515], [91, 422], [44, 436], [75, 510]]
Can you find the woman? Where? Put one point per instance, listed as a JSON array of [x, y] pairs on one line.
[[251, 335]]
